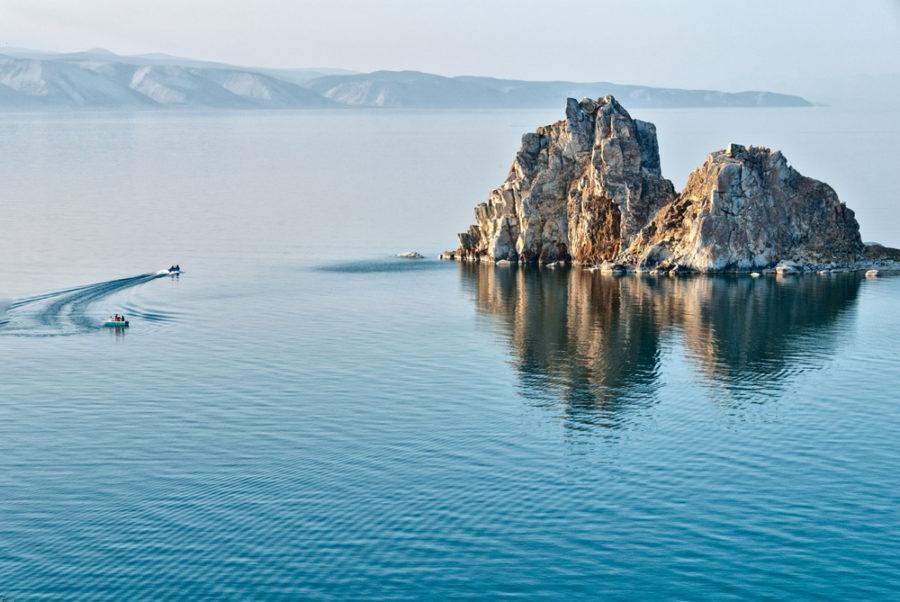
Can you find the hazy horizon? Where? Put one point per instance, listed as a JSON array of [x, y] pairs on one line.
[[707, 45]]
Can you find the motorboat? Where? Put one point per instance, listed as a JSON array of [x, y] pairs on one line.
[[116, 322], [175, 269]]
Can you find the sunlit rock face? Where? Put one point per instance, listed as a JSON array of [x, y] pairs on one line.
[[747, 208], [590, 189], [579, 189]]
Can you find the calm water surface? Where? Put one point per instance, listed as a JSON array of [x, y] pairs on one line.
[[302, 416]]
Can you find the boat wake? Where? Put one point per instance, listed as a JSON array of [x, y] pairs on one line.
[[66, 311]]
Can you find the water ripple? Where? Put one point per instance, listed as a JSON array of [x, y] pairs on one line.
[[68, 311], [385, 265]]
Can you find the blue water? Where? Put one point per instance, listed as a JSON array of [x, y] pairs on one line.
[[301, 415]]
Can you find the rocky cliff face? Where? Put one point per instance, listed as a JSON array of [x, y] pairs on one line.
[[744, 209], [579, 189], [590, 189]]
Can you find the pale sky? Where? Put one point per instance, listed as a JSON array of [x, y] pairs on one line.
[[721, 44]]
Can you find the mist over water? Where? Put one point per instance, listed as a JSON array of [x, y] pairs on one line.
[[303, 415]]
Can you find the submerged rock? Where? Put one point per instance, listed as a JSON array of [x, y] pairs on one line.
[[590, 189]]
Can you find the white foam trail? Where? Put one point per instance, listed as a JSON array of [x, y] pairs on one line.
[[66, 311]]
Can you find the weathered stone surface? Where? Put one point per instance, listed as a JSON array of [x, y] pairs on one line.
[[746, 209], [880, 253], [579, 189], [590, 189]]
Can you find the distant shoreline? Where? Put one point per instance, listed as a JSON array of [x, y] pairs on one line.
[[100, 81]]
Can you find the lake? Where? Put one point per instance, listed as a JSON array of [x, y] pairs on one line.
[[302, 415]]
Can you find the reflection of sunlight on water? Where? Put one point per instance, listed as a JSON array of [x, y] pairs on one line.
[[590, 346]]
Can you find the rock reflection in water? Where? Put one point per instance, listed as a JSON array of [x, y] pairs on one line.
[[591, 345]]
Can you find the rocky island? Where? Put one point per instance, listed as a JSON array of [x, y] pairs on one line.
[[589, 190]]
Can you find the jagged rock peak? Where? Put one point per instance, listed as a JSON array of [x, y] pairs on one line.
[[747, 208], [581, 188]]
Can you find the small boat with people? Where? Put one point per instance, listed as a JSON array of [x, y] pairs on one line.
[[116, 321], [175, 269]]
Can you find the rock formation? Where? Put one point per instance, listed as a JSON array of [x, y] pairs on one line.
[[579, 189], [744, 209], [589, 189]]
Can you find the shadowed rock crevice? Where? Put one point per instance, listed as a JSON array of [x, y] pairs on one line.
[[601, 223]]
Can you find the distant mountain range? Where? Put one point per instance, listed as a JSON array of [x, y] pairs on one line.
[[412, 89], [100, 80]]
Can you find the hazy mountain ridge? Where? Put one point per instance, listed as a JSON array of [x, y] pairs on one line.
[[413, 89], [100, 80]]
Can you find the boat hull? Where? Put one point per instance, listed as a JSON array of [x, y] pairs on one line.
[[116, 324]]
